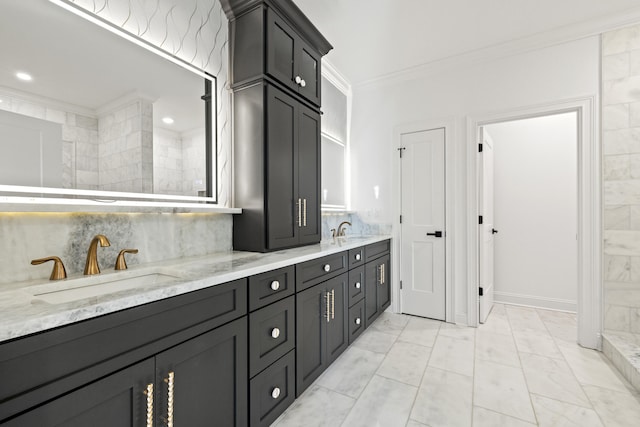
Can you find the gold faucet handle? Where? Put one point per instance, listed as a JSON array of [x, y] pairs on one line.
[[121, 264], [58, 271]]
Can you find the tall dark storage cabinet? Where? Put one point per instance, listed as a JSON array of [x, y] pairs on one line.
[[275, 72]]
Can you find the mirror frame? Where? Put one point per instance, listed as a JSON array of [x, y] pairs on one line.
[[38, 199]]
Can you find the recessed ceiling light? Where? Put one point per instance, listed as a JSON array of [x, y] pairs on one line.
[[167, 120], [24, 76]]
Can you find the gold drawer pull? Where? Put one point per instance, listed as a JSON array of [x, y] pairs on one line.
[[170, 380], [149, 393]]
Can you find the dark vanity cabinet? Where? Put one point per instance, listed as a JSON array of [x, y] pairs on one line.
[[182, 359], [291, 60], [277, 172], [233, 354], [275, 73], [272, 340], [377, 273], [321, 321]]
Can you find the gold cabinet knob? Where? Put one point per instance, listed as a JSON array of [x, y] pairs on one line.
[[58, 272], [121, 264]]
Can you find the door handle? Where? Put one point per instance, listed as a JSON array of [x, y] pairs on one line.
[[494, 231], [437, 234]]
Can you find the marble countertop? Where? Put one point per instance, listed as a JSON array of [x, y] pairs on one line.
[[24, 309]]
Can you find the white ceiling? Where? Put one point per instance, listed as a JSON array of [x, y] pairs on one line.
[[373, 38]]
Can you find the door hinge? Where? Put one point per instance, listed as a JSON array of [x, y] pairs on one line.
[[400, 284], [480, 291], [400, 219], [401, 149], [480, 148], [480, 220]]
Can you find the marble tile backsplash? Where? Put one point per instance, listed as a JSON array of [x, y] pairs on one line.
[[621, 177], [358, 227], [158, 237]]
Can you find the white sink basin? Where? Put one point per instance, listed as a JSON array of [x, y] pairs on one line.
[[94, 286]]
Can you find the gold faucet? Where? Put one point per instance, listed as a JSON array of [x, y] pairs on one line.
[[341, 230], [58, 272], [91, 266]]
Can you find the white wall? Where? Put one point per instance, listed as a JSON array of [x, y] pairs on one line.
[[561, 72], [535, 211]]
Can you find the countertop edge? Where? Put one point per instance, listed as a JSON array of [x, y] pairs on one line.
[[68, 313]]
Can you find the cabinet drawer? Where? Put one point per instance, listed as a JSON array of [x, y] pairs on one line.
[[45, 365], [271, 334], [356, 321], [318, 270], [356, 285], [272, 391], [270, 287], [356, 257], [376, 250]]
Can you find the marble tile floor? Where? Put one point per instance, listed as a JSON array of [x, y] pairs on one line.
[[521, 368]]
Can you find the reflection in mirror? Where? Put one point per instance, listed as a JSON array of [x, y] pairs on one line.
[[334, 147], [83, 108]]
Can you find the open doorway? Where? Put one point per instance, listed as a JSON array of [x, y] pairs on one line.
[[528, 206]]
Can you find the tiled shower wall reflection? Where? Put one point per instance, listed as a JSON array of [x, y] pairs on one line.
[[621, 178], [193, 30]]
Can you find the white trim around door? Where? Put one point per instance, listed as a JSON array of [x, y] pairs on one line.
[[589, 211], [449, 126]]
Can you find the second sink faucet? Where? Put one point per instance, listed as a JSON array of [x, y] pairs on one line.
[[91, 266], [341, 228]]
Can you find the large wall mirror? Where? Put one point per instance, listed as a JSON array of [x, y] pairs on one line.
[[84, 111]]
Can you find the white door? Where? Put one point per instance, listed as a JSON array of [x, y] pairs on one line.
[[486, 229], [422, 253]]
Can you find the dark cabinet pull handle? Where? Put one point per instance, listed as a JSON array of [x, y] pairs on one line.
[[437, 234], [494, 231]]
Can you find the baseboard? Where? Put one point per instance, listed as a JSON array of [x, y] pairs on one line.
[[461, 319], [536, 301]]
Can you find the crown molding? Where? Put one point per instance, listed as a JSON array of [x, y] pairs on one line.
[[335, 77], [565, 34]]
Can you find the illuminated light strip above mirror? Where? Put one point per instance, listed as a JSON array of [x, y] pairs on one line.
[[43, 204], [101, 195], [119, 31]]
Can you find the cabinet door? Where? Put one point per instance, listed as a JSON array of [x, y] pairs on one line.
[[372, 278], [311, 321], [204, 381], [337, 326], [282, 42], [308, 68], [384, 287], [283, 215], [117, 400], [309, 174]]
